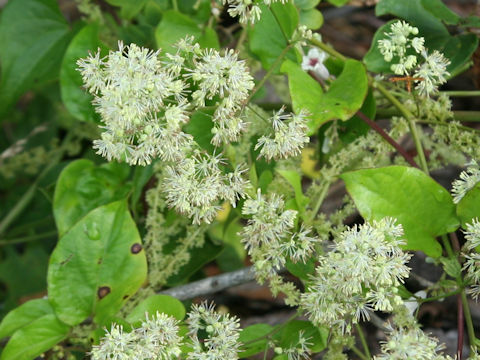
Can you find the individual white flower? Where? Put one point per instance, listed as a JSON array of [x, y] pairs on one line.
[[432, 72], [468, 180], [314, 62]]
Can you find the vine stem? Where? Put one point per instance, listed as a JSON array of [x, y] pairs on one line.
[[405, 112], [359, 353], [411, 124], [268, 74], [463, 93], [363, 340], [464, 301], [387, 138]]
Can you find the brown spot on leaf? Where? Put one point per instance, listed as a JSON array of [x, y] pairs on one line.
[[136, 248], [125, 297], [103, 291]]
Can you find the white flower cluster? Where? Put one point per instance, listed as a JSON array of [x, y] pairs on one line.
[[403, 50], [222, 334], [195, 185], [468, 180], [397, 44], [413, 344], [288, 138], [143, 101], [270, 240], [247, 10], [229, 79], [157, 338], [362, 273]]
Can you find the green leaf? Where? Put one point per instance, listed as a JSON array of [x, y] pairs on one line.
[[356, 127], [34, 35], [469, 207], [35, 338], [301, 270], [311, 18], [128, 8], [289, 335], [295, 180], [162, 303], [96, 265], [339, 102], [76, 99], [458, 49], [82, 187], [338, 2], [441, 11], [200, 127], [423, 207], [24, 315], [268, 31], [306, 4], [251, 333], [175, 26]]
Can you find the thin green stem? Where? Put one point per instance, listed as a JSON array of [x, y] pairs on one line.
[[411, 124], [328, 49], [464, 116], [287, 39], [405, 112], [268, 74], [273, 331], [464, 128], [175, 5], [359, 353], [321, 198], [27, 197], [438, 297], [461, 93], [241, 39], [363, 340], [466, 308], [24, 239]]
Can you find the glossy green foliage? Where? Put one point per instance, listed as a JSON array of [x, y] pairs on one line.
[[275, 28], [77, 101], [156, 303], [175, 26], [83, 186], [342, 100], [34, 338], [422, 206], [34, 35], [469, 207], [96, 265]]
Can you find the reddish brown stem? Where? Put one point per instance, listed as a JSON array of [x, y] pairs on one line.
[[387, 138]]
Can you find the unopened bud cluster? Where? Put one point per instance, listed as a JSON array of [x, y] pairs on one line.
[[362, 273]]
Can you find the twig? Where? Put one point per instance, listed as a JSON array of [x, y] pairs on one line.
[[387, 138], [211, 285]]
